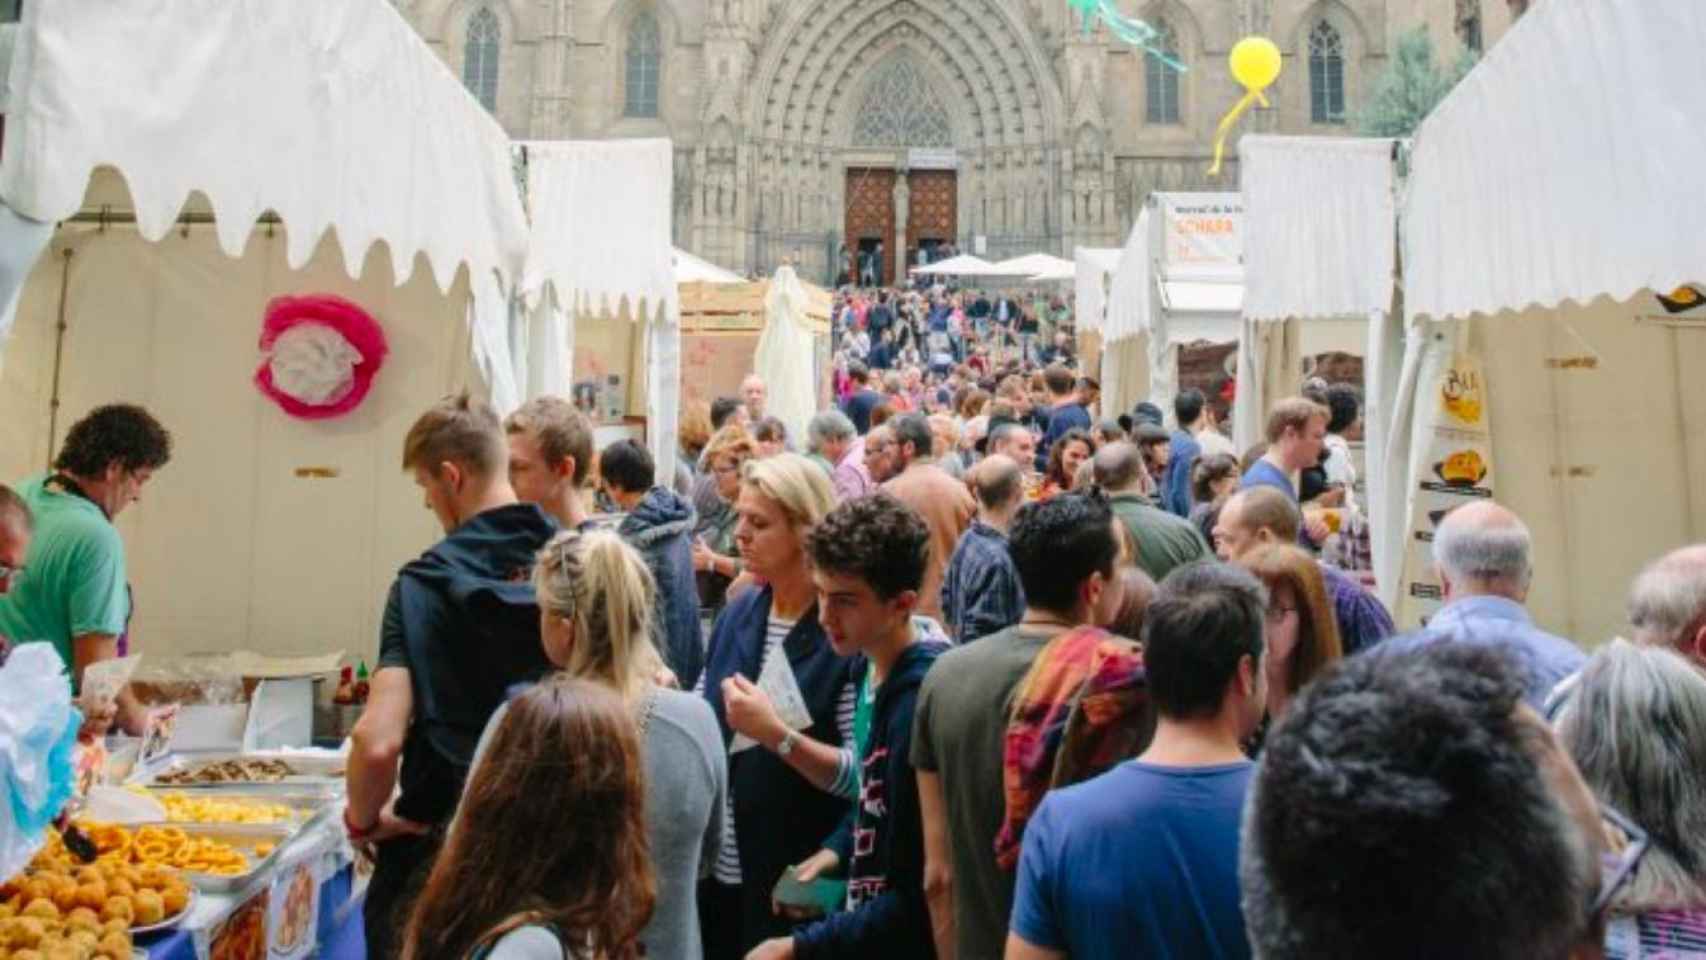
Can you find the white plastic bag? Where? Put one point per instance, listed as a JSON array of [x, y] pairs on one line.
[[38, 728]]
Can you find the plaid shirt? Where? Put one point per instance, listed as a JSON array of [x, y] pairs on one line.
[[980, 589]]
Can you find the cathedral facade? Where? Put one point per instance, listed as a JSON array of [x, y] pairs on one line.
[[817, 130]]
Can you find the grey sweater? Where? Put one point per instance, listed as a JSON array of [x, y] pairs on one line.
[[686, 787]]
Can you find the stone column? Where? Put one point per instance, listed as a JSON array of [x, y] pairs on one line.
[[902, 208]]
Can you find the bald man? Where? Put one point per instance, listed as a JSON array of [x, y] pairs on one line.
[[754, 394], [1264, 515], [980, 589], [1482, 553], [1667, 603], [1164, 542]]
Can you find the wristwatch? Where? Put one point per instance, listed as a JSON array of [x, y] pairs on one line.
[[787, 745]]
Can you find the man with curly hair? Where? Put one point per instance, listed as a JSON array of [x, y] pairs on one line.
[[74, 590], [868, 557]]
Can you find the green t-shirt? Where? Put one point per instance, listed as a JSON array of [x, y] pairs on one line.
[[74, 574]]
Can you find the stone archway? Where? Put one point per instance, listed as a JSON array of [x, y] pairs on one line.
[[998, 96]]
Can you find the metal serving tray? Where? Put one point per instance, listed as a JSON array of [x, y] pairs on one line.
[[244, 837], [308, 803], [312, 773]]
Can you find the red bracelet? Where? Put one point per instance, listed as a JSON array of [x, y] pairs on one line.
[[354, 832]]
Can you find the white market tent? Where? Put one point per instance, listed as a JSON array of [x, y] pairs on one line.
[[1180, 280], [1319, 241], [154, 136], [580, 281], [1540, 224], [963, 265], [1539, 232]]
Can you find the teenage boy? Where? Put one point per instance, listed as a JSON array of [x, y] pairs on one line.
[[868, 557], [461, 627]]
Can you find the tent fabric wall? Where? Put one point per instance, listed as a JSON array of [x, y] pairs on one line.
[[1565, 166], [1130, 295], [1094, 267], [1598, 433], [231, 547]]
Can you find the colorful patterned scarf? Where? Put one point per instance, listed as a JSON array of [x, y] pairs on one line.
[[1083, 707]]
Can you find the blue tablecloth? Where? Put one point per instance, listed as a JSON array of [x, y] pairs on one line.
[[339, 929]]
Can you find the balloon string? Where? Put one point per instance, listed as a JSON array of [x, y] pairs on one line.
[[1128, 29], [1226, 123]]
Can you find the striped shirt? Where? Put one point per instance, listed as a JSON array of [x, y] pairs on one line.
[[1658, 935], [727, 867]]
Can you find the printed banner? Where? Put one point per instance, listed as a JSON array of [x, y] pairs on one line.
[[1457, 470], [1202, 236]]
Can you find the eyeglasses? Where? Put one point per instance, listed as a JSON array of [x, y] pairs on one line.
[[1616, 867], [1276, 614]]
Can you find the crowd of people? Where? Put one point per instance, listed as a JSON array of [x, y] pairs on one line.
[[974, 670]]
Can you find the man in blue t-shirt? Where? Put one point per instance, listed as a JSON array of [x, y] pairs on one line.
[[1297, 430], [1143, 860]]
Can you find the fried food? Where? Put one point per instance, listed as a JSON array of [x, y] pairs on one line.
[[150, 908], [184, 808], [51, 910], [230, 771]]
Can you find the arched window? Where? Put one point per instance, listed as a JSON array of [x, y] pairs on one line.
[[1160, 80], [480, 58], [1326, 74], [645, 53]]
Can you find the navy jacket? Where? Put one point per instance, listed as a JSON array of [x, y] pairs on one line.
[[661, 528], [780, 818], [470, 625], [883, 846]]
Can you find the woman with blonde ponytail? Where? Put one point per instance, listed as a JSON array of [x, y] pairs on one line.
[[596, 603]]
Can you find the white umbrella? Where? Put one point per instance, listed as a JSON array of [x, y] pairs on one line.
[[1031, 265], [964, 265]]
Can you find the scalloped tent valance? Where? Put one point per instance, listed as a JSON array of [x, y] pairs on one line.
[[1565, 166], [333, 114]]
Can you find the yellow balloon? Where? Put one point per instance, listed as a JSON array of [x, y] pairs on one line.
[[1255, 63]]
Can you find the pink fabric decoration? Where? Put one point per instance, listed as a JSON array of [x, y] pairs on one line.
[[355, 325]]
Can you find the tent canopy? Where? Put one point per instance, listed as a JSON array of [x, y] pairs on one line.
[[963, 265], [1320, 226], [279, 107], [692, 269], [1565, 166]]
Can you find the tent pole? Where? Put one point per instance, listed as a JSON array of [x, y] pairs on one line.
[[58, 358]]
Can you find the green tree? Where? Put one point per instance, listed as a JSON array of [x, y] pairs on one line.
[[1412, 85]]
